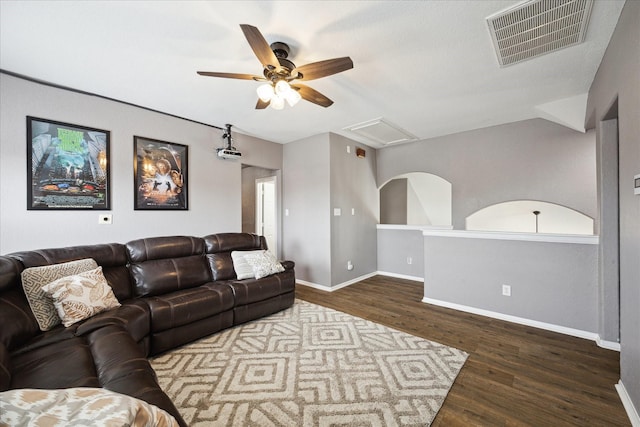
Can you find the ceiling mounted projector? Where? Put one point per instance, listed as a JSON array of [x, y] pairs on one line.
[[228, 152]]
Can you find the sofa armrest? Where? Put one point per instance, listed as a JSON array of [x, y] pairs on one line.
[[288, 265], [133, 315]]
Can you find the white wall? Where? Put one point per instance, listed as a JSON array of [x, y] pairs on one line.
[[214, 184]]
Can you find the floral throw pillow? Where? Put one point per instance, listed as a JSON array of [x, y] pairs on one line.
[[264, 264], [81, 296]]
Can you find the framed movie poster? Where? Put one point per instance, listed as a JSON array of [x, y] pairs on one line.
[[160, 173], [68, 166]]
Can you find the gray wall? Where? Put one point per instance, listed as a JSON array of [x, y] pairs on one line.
[[554, 283], [319, 175], [393, 202], [619, 77], [353, 186], [528, 160], [395, 246], [214, 184], [307, 229]]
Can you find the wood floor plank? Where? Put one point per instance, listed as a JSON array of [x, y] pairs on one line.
[[515, 375]]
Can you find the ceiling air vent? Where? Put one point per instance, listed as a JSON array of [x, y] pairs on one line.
[[381, 131], [538, 27]]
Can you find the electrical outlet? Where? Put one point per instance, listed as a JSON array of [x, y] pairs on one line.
[[349, 265], [506, 290], [409, 260]]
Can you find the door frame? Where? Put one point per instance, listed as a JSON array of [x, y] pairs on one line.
[[259, 183]]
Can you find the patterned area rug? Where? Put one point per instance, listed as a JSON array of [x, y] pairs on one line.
[[309, 366]]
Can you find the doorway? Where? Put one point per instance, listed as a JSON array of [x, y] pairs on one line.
[[261, 213], [266, 211]]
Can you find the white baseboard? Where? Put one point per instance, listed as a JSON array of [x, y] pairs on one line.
[[632, 412], [401, 276], [609, 345], [338, 286], [523, 321]]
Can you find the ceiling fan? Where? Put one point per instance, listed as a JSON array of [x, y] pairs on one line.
[[282, 75]]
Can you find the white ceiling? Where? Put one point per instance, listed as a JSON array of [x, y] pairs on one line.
[[426, 66]]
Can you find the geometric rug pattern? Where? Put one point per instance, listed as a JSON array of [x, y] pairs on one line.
[[309, 366]]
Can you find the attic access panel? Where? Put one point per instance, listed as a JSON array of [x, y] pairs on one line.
[[538, 27], [381, 131]]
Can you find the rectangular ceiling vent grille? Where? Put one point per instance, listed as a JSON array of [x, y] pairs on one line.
[[538, 27], [381, 131]]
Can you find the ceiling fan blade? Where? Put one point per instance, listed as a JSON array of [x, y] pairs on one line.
[[261, 105], [315, 70], [312, 95], [260, 47], [232, 75]]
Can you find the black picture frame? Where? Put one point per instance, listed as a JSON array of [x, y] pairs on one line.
[[160, 174], [67, 166]]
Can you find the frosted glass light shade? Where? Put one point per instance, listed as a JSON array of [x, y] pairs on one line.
[[277, 102], [292, 97], [265, 92], [282, 88]]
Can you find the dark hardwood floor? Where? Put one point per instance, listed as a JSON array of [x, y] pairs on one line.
[[515, 375]]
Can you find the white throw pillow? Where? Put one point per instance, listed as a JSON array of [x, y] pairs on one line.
[[264, 264], [81, 296], [34, 278], [243, 269]]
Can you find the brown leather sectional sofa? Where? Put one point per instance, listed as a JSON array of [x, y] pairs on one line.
[[172, 290]]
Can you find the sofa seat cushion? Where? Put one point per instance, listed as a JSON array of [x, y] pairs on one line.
[[253, 290], [60, 364], [189, 305]]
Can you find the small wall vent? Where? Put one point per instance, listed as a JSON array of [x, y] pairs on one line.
[[538, 27]]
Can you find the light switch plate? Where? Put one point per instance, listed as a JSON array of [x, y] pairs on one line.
[[105, 219]]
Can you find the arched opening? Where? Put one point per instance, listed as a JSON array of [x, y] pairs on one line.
[[530, 216], [416, 198]]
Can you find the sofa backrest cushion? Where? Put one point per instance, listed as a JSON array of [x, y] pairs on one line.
[[219, 247], [5, 368], [17, 322], [160, 265], [112, 257]]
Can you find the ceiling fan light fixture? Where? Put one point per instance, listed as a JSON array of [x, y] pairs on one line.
[[277, 102], [282, 88], [292, 97], [265, 92]]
